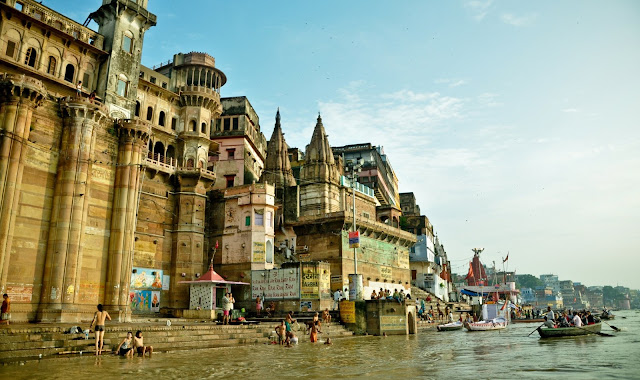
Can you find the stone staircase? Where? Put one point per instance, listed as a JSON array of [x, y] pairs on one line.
[[31, 342]]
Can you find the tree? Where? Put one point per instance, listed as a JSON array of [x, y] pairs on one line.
[[528, 281]]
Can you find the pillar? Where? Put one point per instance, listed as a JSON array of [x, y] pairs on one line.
[[19, 96], [132, 149], [63, 263]]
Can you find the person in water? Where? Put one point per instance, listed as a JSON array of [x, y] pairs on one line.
[[314, 334], [126, 346]]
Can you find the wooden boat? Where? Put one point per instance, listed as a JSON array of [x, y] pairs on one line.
[[492, 324], [549, 332], [525, 320], [607, 316], [450, 326]]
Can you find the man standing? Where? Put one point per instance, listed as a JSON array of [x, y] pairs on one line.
[[99, 319], [226, 306], [5, 312], [336, 298]]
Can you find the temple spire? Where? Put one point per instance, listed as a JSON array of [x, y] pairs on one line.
[[277, 166], [319, 162]]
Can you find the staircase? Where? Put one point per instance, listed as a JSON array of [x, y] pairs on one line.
[[28, 342]]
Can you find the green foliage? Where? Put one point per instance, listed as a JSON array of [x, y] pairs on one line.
[[528, 281], [609, 293]]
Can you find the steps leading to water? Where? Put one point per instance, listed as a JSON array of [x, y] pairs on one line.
[[22, 343]]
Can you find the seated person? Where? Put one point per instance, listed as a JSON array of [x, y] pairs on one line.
[[548, 323], [138, 343], [326, 316], [126, 347], [374, 295]]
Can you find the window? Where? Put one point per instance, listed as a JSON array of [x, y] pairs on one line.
[[230, 179], [152, 80], [164, 85], [69, 73], [149, 113], [190, 163], [37, 15], [161, 119], [30, 57], [137, 108], [122, 87], [192, 125], [259, 218], [231, 154], [86, 79], [11, 49], [247, 220], [269, 219], [235, 123], [75, 34], [203, 128], [127, 43], [174, 123], [227, 124], [51, 67], [57, 25], [19, 6], [141, 74]]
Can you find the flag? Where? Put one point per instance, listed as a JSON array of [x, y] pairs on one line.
[[470, 274], [506, 301], [505, 259], [216, 244]]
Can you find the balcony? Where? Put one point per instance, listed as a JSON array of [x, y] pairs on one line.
[[161, 163]]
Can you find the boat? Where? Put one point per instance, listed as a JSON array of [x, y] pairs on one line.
[[607, 315], [527, 320], [488, 325], [450, 326], [550, 332]]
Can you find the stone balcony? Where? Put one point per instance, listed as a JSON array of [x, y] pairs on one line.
[[161, 163]]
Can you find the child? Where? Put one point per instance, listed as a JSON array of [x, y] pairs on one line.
[[126, 347], [280, 330], [138, 343]]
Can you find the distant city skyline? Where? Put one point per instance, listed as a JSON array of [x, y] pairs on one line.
[[514, 123]]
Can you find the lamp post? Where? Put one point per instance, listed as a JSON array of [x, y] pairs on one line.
[[356, 167]]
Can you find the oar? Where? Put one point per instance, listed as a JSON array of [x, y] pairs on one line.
[[535, 329], [613, 327], [594, 332]]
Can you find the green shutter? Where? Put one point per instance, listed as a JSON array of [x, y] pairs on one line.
[[247, 221]]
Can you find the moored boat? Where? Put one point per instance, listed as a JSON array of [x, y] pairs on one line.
[[550, 332], [492, 324], [450, 326]]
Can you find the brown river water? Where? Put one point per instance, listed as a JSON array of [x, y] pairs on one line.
[[505, 354]]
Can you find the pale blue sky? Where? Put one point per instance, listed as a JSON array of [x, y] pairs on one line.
[[516, 124]]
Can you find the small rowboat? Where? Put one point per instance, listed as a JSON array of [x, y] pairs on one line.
[[607, 316], [450, 326], [492, 324], [550, 332], [525, 320]]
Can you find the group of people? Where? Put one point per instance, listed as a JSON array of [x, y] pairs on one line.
[[385, 294], [566, 319], [287, 337], [128, 345]]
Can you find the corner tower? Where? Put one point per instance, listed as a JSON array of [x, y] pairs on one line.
[[123, 24]]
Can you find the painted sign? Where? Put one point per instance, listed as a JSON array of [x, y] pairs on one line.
[[146, 278], [258, 252], [403, 259], [354, 239], [325, 282], [304, 257], [310, 282], [275, 283], [348, 311], [140, 300], [392, 322], [385, 272]]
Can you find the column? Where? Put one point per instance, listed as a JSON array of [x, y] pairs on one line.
[[134, 137], [63, 262], [19, 96]]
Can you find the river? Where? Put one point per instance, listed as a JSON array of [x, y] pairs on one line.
[[448, 355]]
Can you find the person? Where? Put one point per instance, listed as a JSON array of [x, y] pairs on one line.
[[5, 310], [225, 309], [326, 316], [314, 334], [548, 322], [271, 309], [328, 342], [138, 343], [345, 294], [79, 89], [590, 319], [396, 295], [336, 298], [288, 322], [92, 95], [550, 315], [374, 296], [258, 305], [293, 339], [280, 331], [577, 321], [316, 321], [475, 317], [99, 319], [231, 302], [126, 346], [450, 316]]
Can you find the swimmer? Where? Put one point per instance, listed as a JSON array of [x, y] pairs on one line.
[[328, 342]]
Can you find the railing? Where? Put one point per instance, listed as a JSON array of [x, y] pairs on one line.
[[160, 162], [161, 64], [200, 89]]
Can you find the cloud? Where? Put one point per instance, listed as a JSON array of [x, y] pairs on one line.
[[571, 110], [488, 99], [511, 19], [450, 82], [478, 9]]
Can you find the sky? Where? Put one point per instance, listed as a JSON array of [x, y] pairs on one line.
[[516, 124]]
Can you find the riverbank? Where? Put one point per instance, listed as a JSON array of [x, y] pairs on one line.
[[23, 341]]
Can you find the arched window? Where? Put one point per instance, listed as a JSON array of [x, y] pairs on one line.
[[30, 57], [127, 41], [171, 152], [161, 119], [203, 128], [51, 67], [158, 151], [192, 125], [69, 72], [122, 87], [137, 108], [149, 113], [200, 164], [190, 163]]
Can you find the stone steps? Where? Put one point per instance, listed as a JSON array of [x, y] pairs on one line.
[[29, 343]]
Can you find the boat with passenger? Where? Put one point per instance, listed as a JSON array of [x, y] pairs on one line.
[[557, 332]]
